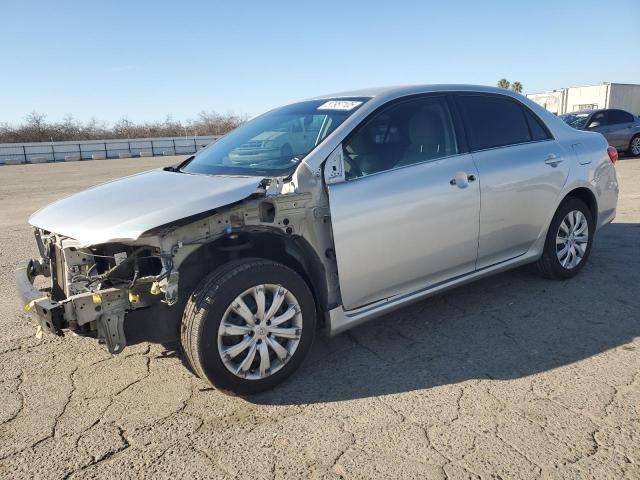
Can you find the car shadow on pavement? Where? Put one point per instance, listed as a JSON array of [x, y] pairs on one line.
[[504, 327]]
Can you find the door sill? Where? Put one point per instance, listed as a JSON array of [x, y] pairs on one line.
[[341, 320]]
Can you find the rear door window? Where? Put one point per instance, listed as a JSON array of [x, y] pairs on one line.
[[619, 116], [493, 121]]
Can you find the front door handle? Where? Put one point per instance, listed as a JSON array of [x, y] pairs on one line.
[[553, 160], [461, 179]]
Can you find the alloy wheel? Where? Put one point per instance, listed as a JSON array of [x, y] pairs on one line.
[[635, 146], [260, 331], [572, 239]]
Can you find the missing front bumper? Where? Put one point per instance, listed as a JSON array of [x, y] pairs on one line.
[[101, 312], [50, 314]]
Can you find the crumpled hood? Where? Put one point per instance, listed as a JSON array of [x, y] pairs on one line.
[[124, 209]]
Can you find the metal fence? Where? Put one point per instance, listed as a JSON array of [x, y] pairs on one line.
[[16, 153]]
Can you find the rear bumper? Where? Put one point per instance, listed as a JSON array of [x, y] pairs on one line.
[[49, 313]]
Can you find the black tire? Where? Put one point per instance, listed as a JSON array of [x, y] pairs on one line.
[[205, 310], [549, 265], [629, 150]]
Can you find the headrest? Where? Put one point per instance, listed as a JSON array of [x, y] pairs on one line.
[[425, 127], [359, 143]]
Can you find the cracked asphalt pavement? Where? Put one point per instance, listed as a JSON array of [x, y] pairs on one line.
[[512, 377]]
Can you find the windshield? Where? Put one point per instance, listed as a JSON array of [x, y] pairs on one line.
[[576, 120], [273, 144]]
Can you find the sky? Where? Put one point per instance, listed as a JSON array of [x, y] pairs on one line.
[[144, 60]]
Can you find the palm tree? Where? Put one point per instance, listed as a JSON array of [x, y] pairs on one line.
[[504, 83], [516, 87]]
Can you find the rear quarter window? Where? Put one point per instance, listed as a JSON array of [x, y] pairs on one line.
[[495, 122], [620, 116], [538, 131]]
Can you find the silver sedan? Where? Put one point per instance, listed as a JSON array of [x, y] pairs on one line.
[[395, 195]]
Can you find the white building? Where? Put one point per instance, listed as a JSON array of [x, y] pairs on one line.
[[607, 95]]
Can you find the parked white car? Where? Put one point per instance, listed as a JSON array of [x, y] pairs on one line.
[[398, 194]]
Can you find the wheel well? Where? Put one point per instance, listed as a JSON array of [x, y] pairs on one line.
[[293, 251], [588, 198]]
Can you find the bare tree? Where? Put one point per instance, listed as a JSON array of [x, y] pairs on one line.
[[36, 129], [123, 127], [70, 128]]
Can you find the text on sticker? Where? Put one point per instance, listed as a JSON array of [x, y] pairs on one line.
[[339, 105]]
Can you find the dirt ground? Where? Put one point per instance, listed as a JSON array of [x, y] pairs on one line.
[[513, 377]]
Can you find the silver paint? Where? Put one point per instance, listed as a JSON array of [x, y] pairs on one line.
[[397, 230], [126, 208], [525, 185], [519, 187]]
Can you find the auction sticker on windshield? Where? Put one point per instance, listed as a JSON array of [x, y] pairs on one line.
[[339, 105]]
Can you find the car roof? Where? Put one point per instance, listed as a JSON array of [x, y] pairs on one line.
[[577, 112], [581, 112], [404, 90]]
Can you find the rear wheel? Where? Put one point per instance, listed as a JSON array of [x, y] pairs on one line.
[[568, 242], [634, 146], [248, 325]]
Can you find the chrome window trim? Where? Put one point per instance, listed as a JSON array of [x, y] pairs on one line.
[[401, 167], [443, 158], [512, 145]]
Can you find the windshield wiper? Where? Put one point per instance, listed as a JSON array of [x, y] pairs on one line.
[[178, 168]]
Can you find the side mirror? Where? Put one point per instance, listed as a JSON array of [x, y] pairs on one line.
[[593, 125]]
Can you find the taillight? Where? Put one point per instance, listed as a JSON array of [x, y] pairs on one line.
[[613, 154]]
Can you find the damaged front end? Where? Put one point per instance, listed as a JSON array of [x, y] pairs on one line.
[[91, 289], [124, 276]]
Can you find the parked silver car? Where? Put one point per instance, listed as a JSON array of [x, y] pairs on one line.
[[404, 193], [620, 128], [287, 140]]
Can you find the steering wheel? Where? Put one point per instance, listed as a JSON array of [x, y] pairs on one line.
[[354, 168]]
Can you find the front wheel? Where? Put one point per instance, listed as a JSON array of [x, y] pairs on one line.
[[568, 242], [248, 325]]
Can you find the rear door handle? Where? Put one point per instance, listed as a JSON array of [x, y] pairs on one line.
[[553, 160]]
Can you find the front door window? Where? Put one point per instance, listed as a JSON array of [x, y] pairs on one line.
[[402, 134]]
